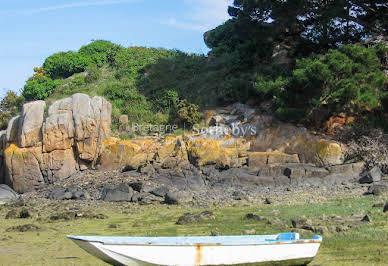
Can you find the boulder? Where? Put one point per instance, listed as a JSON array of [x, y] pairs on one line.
[[59, 164], [224, 153], [126, 154], [7, 194], [58, 132], [177, 197], [23, 167], [377, 190], [373, 175], [30, 124], [264, 158], [122, 192], [13, 129], [92, 121], [61, 106], [290, 139]]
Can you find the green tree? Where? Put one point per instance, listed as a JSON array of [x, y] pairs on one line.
[[65, 64], [9, 106], [39, 88], [100, 51]]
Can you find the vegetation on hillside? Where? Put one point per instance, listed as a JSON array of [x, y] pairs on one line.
[[325, 72]]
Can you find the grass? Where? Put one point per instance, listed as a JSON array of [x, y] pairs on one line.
[[361, 245]]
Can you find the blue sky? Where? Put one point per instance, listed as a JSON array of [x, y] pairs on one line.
[[32, 30]]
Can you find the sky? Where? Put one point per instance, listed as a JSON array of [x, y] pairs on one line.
[[30, 31]]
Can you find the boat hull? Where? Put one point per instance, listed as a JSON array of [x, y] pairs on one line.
[[273, 254]]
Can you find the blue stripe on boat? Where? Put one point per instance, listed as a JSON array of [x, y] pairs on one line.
[[192, 240]]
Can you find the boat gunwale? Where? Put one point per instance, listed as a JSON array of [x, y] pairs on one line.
[[260, 243]]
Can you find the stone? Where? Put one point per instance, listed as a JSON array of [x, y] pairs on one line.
[[264, 158], [216, 120], [377, 190], [366, 219], [30, 124], [177, 197], [160, 192], [61, 106], [385, 207], [302, 223], [23, 171], [253, 216], [123, 192], [59, 164], [373, 175], [123, 119], [7, 194], [58, 132], [92, 121], [13, 129], [189, 218]]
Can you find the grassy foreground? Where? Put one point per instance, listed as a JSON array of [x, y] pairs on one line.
[[361, 244]]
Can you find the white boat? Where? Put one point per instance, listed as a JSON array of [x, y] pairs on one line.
[[283, 248]]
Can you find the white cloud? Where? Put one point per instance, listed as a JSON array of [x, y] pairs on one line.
[[72, 5], [205, 15]]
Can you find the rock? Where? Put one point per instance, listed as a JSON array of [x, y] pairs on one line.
[[385, 207], [377, 190], [123, 119], [18, 214], [59, 164], [126, 154], [123, 192], [148, 198], [136, 186], [188, 218], [7, 194], [366, 219], [68, 193], [373, 175], [238, 195], [92, 121], [58, 132], [378, 205], [264, 158], [302, 223], [216, 120], [13, 129], [30, 124], [252, 216], [250, 232], [177, 197], [24, 228], [23, 170], [290, 139], [160, 192], [353, 169], [267, 201]]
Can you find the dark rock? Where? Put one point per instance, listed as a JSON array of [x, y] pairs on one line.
[[377, 189], [373, 175], [147, 198], [136, 186], [238, 195], [68, 194], [24, 213], [188, 218], [7, 194], [24, 228], [386, 207], [252, 216], [177, 197], [160, 192], [148, 170], [123, 192], [267, 201], [302, 223], [365, 219]]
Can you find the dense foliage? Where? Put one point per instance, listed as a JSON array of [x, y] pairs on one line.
[[9, 106], [65, 64], [39, 88]]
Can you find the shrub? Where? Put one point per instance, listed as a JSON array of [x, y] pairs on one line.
[[9, 106], [93, 73], [100, 51], [63, 65], [187, 114], [39, 88]]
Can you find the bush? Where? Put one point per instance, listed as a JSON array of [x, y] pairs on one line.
[[94, 73], [39, 88], [10, 106], [187, 114], [100, 52], [63, 65]]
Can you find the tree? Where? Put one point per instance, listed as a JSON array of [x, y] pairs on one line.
[[316, 25], [9, 106], [39, 88], [65, 64]]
